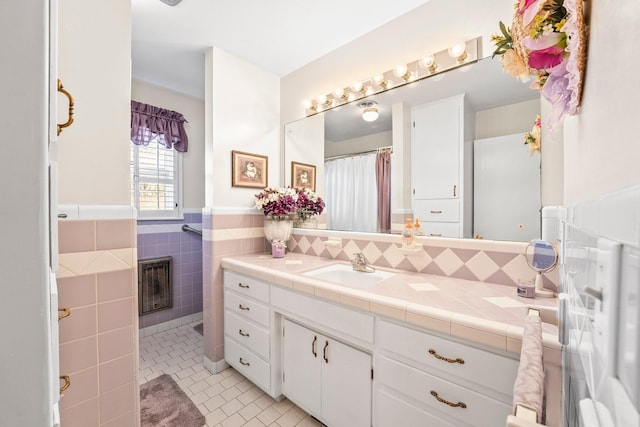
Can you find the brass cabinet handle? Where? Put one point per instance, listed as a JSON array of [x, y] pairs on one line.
[[244, 334], [436, 212], [313, 346], [62, 90], [455, 188], [478, 236], [446, 402], [435, 234], [244, 363], [66, 312], [445, 359], [242, 285], [324, 352], [242, 307], [67, 382]]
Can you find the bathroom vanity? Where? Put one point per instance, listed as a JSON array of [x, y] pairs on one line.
[[405, 351]]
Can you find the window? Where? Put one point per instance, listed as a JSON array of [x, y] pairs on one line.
[[155, 180]]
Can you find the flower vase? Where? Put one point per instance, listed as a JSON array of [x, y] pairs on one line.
[[278, 229], [308, 222]]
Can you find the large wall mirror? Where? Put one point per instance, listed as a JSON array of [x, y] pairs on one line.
[[502, 181]]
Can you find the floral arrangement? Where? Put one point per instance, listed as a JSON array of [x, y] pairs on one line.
[[546, 41], [532, 139], [283, 203]]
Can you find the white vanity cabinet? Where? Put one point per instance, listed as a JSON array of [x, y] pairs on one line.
[[248, 339], [440, 167], [417, 372], [325, 377]]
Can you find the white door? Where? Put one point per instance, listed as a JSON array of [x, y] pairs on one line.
[[301, 354], [346, 385], [435, 149], [506, 189]]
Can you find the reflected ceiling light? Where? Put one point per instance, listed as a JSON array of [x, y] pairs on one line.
[[458, 51], [370, 112], [357, 86], [429, 62], [171, 2], [403, 72]]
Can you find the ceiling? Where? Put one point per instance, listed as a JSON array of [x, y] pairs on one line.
[[168, 43]]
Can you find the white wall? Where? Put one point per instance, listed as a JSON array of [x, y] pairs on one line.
[[304, 142], [193, 111], [24, 253], [94, 65], [602, 152], [242, 104], [507, 120], [358, 145]]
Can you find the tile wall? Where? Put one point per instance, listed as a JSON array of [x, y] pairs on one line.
[[165, 238], [99, 339]]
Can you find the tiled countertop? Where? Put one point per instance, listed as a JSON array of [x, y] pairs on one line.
[[485, 313]]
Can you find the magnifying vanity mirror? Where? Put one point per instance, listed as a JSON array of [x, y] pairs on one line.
[[494, 188], [542, 257]]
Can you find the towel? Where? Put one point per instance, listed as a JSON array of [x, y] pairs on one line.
[[528, 390]]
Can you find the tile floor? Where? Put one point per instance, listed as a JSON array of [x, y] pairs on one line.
[[226, 399]]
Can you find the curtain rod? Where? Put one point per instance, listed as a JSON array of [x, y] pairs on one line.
[[388, 149]]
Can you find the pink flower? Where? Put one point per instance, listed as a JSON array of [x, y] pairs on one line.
[[545, 58], [545, 41], [524, 4], [529, 10]]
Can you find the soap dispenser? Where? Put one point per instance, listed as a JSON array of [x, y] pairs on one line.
[[408, 235], [417, 228]]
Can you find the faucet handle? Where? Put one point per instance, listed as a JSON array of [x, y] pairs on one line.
[[359, 258]]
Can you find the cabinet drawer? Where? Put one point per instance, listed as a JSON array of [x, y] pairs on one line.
[[441, 229], [347, 321], [479, 366], [247, 334], [445, 210], [246, 307], [395, 411], [248, 364], [473, 408], [246, 286]]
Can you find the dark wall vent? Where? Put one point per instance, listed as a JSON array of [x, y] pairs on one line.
[[155, 285]]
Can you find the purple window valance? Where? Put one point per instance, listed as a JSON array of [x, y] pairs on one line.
[[148, 121]]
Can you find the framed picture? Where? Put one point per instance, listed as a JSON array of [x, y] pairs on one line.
[[303, 176], [249, 170]]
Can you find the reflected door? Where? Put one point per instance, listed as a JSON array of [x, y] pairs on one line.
[[506, 189]]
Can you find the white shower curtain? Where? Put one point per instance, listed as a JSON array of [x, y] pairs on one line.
[[351, 193]]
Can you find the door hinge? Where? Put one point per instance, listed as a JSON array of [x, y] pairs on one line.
[[283, 332], [414, 191], [371, 373], [414, 124], [282, 376]]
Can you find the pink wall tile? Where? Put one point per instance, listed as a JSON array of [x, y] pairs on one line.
[[116, 285], [78, 355], [85, 414], [80, 323], [117, 372], [76, 236], [77, 291], [115, 314], [115, 403], [128, 419], [115, 234], [84, 385], [114, 344]]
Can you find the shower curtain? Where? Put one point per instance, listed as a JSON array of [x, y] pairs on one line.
[[351, 193]]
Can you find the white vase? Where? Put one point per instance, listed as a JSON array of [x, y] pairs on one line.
[[278, 229]]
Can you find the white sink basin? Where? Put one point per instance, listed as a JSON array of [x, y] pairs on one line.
[[347, 276]]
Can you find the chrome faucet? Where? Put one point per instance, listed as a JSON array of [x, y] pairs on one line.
[[359, 263]]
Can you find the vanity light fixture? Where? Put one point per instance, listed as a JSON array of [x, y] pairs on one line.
[[458, 55], [370, 113]]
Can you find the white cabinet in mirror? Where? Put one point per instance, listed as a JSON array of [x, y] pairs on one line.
[[494, 105]]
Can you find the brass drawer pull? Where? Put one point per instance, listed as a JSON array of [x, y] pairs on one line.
[[455, 188], [242, 307], [436, 212], [435, 235], [242, 285], [446, 402], [313, 346], [244, 363], [67, 382], [324, 352], [446, 359], [62, 90], [66, 312], [244, 334]]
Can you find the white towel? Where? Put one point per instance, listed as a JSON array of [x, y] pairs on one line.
[[528, 390]]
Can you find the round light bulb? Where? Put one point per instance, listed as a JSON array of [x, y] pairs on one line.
[[378, 78], [307, 104], [369, 91], [400, 70], [458, 51], [357, 86], [322, 99], [370, 114], [339, 92]]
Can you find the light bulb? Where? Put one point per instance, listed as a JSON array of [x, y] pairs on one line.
[[378, 78], [458, 51], [307, 104], [400, 71], [357, 86], [351, 97], [339, 92], [370, 114], [429, 62], [369, 91], [322, 99]]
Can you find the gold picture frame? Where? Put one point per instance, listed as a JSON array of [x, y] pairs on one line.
[[303, 176], [249, 170]]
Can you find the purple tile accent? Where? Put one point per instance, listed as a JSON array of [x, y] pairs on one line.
[[433, 251], [501, 258], [501, 278], [382, 246], [405, 264], [433, 268], [465, 254], [361, 243], [382, 262], [547, 283], [464, 273]]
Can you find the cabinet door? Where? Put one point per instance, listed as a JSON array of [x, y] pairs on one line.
[[301, 355], [346, 385], [435, 149]]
